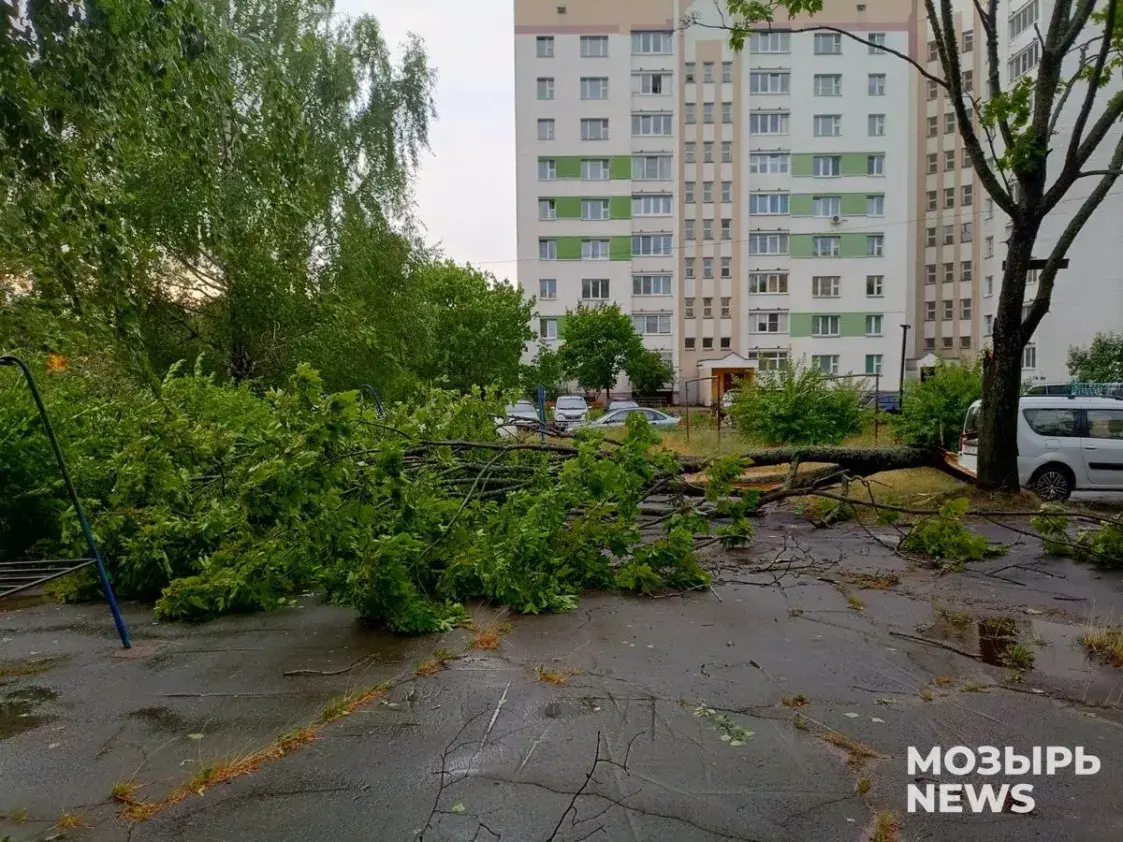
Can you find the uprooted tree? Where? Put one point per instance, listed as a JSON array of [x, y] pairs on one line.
[[1010, 134]]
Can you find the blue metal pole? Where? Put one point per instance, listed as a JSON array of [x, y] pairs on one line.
[[542, 412], [103, 577], [374, 393]]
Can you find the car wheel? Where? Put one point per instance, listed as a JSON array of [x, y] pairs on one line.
[[1053, 483]]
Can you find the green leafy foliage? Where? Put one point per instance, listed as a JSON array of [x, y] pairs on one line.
[[599, 343], [648, 371], [546, 370], [932, 411], [1101, 546], [797, 404], [1100, 362], [944, 538]]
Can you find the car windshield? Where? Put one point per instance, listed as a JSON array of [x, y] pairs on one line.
[[571, 403], [521, 408], [971, 424]]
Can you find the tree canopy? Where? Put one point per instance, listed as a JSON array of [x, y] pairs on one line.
[[1100, 362]]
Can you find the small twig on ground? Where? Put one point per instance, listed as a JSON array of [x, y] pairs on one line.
[[938, 643]]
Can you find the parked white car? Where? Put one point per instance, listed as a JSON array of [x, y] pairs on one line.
[[619, 417], [1065, 444], [520, 419], [570, 410]]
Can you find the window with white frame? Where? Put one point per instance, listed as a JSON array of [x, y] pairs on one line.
[[651, 168], [949, 273], [594, 46], [828, 44], [727, 267], [688, 229], [965, 308], [765, 322], [826, 206], [594, 169], [826, 246], [651, 284], [544, 46], [876, 125], [689, 270], [768, 283], [547, 249], [688, 189], [651, 124], [594, 87], [875, 165], [1029, 356], [547, 288], [825, 363], [689, 116], [876, 42], [988, 286], [652, 43], [825, 166], [727, 71], [707, 151], [988, 325], [545, 87], [827, 84], [768, 122], [547, 169], [966, 232], [825, 286], [875, 286], [727, 229], [948, 310], [932, 126], [707, 112], [594, 128], [768, 243], [1024, 61], [968, 195], [594, 288], [548, 328], [545, 129], [966, 271], [827, 125], [653, 323], [769, 204], [770, 82], [1023, 18], [727, 191], [1031, 277], [768, 162], [873, 324], [727, 152], [707, 308], [930, 273], [725, 307], [707, 71], [651, 83], [707, 267], [873, 363], [547, 209], [659, 205], [651, 244], [875, 205], [727, 113], [929, 311], [875, 245], [689, 152], [876, 84], [707, 228], [594, 208], [594, 249], [770, 42], [949, 235]]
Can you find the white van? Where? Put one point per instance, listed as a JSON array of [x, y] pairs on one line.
[[1065, 444]]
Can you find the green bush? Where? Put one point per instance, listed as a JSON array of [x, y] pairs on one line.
[[932, 411], [944, 538], [1101, 546], [798, 405]]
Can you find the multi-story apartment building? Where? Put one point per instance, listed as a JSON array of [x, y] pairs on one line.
[[747, 206], [962, 239]]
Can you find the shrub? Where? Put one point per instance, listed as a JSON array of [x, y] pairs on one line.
[[943, 537], [798, 405], [1101, 546], [932, 411]]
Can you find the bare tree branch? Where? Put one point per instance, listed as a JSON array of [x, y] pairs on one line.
[[1058, 109], [1076, 22], [994, 79], [1094, 81], [1110, 118]]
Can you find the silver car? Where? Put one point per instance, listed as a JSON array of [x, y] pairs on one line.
[[615, 405], [617, 418], [570, 410], [519, 418]]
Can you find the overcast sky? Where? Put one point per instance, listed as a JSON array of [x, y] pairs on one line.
[[466, 188]]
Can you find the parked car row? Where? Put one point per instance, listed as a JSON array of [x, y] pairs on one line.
[[572, 411]]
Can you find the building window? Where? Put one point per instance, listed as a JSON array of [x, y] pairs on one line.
[[651, 43], [933, 89], [988, 325], [727, 151], [876, 125], [949, 122], [594, 208], [547, 249], [651, 244], [707, 229], [930, 242], [825, 363], [688, 72], [1023, 19], [548, 328], [965, 158], [651, 83], [1029, 355], [828, 44], [545, 88], [762, 163], [873, 324], [875, 205], [929, 343], [643, 125], [768, 122], [707, 71], [949, 310], [1031, 277], [690, 270], [770, 42], [828, 125], [594, 249], [949, 159], [653, 324], [876, 86], [707, 267], [595, 288], [949, 197], [727, 71], [873, 363], [688, 192], [875, 285], [768, 322], [727, 191], [930, 273], [725, 342], [651, 167], [726, 268], [932, 163], [826, 166], [828, 84], [933, 126], [968, 40], [707, 152], [876, 42], [547, 209], [966, 271], [965, 308], [968, 195], [826, 207], [545, 129], [949, 272], [768, 204], [824, 246], [594, 46], [594, 87], [547, 288], [688, 343], [707, 112], [949, 235], [725, 308], [929, 311], [825, 286], [965, 342], [688, 114], [875, 164], [769, 82], [824, 325], [648, 205], [727, 229], [707, 343], [594, 169], [966, 233], [595, 128], [968, 81], [707, 192], [933, 52], [544, 46], [875, 245], [988, 247], [727, 112], [947, 341], [547, 170], [931, 200], [768, 243], [688, 229], [766, 283], [707, 308], [651, 284]]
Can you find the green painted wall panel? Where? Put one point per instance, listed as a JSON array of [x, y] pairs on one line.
[[569, 248], [853, 245], [800, 245], [567, 167], [850, 245], [853, 204], [620, 166], [800, 204], [854, 163], [620, 207], [801, 163], [852, 324], [568, 207], [620, 248], [799, 324]]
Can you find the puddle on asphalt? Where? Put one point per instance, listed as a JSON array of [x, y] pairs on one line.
[[161, 719], [17, 710], [991, 637], [16, 603], [996, 636]]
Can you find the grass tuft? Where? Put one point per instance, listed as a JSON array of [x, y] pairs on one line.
[[796, 701], [556, 677], [886, 827], [858, 752], [1104, 643]]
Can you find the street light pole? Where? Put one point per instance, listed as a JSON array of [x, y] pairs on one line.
[[904, 350]]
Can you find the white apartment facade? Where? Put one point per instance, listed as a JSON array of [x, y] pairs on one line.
[[750, 207]]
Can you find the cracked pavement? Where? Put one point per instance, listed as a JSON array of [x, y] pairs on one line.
[[486, 750]]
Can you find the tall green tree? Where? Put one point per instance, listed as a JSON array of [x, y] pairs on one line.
[[648, 371], [1011, 136], [598, 343], [1100, 362]]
